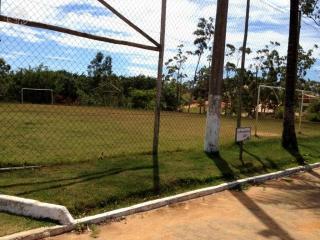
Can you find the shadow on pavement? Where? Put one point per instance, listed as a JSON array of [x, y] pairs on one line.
[[274, 229]]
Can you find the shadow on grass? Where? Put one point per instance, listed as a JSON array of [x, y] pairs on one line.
[[41, 187], [274, 229], [271, 163], [297, 155], [156, 173], [73, 181], [309, 148], [223, 166]]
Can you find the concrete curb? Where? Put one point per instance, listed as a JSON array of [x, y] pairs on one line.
[[150, 205], [8, 169], [35, 209], [40, 233]]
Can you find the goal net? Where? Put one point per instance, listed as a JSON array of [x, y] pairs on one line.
[[37, 96], [270, 104]]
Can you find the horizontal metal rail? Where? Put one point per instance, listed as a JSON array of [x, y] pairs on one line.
[[24, 22]]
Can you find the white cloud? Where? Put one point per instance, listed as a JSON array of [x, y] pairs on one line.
[[138, 70], [182, 17]]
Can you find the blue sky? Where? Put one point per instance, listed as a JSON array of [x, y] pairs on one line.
[[22, 46]]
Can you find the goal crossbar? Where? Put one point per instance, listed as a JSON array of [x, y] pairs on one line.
[[36, 89], [303, 92]]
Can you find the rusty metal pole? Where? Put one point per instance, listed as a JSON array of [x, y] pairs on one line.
[[242, 75], [216, 78], [159, 79]]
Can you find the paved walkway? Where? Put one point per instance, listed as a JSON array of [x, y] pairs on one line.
[[284, 209]]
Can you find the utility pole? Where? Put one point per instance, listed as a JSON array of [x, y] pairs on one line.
[[216, 77], [242, 74]]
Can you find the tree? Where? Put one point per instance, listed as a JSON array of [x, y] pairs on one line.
[[305, 61], [289, 138], [204, 35], [230, 93], [311, 9], [175, 67], [99, 68], [314, 111], [4, 80], [216, 78]]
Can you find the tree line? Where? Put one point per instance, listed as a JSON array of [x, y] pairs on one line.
[[101, 86], [267, 66]]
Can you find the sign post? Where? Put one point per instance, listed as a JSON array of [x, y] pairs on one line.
[[242, 134]]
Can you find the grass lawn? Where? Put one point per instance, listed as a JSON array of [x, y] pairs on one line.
[[101, 185], [10, 224], [68, 142], [51, 135]]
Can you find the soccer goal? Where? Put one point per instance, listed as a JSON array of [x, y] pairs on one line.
[[37, 95], [270, 101]]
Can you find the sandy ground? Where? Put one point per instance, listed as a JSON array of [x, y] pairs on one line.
[[284, 209]]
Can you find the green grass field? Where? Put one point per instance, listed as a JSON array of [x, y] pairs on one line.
[[68, 142], [49, 135], [10, 224]]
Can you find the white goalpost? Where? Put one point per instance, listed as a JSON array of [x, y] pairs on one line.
[[274, 89], [23, 90]]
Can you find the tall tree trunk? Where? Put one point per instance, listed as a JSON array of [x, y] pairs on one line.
[[216, 78], [289, 138]]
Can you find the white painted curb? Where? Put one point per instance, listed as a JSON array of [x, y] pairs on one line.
[[150, 205], [35, 209], [40, 233], [18, 168]]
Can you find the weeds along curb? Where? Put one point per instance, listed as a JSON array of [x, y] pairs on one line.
[[150, 205]]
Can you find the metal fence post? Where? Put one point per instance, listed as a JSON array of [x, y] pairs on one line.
[[257, 112], [301, 110], [159, 79]]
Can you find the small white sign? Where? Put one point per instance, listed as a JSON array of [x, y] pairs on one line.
[[243, 134]]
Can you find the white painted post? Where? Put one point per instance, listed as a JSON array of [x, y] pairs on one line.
[[215, 86], [52, 101], [257, 113], [213, 124], [22, 96], [301, 110]]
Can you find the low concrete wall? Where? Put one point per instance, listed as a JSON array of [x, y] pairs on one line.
[[35, 209]]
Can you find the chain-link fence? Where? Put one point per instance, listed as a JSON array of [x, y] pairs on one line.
[[67, 98], [78, 93]]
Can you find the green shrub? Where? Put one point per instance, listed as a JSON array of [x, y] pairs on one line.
[[314, 112], [279, 112], [142, 99]]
